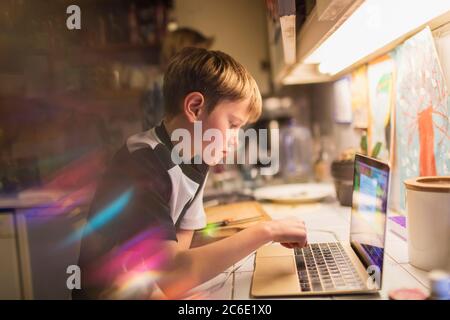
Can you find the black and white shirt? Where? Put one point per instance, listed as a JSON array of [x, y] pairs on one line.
[[162, 194], [182, 184]]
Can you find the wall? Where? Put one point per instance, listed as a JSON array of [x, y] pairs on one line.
[[239, 28], [345, 136], [342, 136]]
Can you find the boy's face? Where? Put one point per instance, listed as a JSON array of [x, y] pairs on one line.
[[227, 117]]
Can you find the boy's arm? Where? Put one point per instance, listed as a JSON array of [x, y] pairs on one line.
[[184, 238], [188, 268]]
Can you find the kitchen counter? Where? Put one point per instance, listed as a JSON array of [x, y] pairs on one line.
[[33, 199], [326, 222], [31, 224]]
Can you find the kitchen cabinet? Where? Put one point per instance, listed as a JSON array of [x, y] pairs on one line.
[[10, 275]]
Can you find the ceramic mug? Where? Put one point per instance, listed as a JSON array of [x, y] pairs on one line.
[[428, 222]]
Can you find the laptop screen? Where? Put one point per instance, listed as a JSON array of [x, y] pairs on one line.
[[369, 206]]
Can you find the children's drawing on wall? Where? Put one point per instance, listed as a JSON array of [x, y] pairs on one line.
[[422, 111], [360, 97], [380, 75]]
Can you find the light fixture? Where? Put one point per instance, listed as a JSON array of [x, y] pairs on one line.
[[308, 73], [375, 24]]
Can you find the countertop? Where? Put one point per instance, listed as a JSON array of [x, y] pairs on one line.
[[325, 222]]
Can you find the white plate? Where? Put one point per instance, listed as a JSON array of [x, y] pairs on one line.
[[295, 193]]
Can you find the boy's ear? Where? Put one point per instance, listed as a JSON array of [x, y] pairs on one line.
[[194, 105]]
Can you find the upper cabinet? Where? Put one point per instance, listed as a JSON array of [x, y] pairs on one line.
[[332, 37]]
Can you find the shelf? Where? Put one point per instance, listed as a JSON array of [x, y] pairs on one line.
[[147, 54], [123, 48]]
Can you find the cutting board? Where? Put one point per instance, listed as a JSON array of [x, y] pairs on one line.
[[249, 212]]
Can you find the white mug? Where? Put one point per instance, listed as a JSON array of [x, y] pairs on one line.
[[428, 223]]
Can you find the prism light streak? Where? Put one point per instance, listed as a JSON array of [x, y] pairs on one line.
[[102, 217]]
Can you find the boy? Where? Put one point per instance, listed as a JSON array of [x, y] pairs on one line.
[[144, 189]]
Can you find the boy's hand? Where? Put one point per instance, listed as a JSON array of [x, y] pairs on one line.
[[289, 232]]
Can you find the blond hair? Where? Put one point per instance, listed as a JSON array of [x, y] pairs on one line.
[[215, 74]]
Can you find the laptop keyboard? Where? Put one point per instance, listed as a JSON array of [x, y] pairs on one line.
[[326, 267]]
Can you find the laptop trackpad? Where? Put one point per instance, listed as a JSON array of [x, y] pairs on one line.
[[274, 250], [275, 276]]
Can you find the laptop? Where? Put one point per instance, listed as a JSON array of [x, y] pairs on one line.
[[334, 268]]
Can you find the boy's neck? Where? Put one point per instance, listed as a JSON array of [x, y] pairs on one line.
[[176, 123], [179, 122]]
